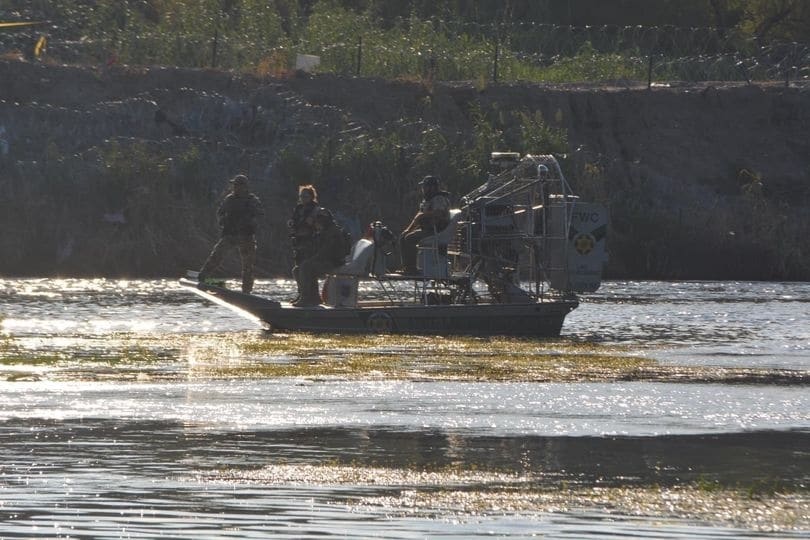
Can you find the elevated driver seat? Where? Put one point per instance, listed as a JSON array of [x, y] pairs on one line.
[[431, 256]]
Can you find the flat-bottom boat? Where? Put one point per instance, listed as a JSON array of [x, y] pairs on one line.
[[543, 318], [511, 262]]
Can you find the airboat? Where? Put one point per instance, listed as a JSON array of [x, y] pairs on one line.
[[512, 261]]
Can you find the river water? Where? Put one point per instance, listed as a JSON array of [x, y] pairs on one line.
[[133, 409]]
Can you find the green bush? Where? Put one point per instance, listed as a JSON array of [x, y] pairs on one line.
[[590, 65], [263, 37]]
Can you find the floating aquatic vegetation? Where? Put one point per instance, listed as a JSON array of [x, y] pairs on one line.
[[356, 475], [479, 492], [471, 359], [121, 356], [420, 357], [250, 355], [778, 512]]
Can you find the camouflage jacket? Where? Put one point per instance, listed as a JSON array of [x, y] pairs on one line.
[[239, 214], [330, 245]]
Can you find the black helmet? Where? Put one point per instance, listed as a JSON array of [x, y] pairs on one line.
[[430, 180], [239, 180]]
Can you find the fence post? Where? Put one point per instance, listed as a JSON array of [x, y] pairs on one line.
[[649, 72], [215, 44], [214, 48], [495, 60], [359, 54], [744, 71]]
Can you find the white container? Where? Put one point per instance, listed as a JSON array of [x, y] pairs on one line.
[[341, 291]]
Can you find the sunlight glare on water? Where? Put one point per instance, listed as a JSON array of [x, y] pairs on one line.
[[497, 409], [705, 323], [131, 408]]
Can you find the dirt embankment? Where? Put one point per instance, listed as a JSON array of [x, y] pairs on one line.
[[117, 171]]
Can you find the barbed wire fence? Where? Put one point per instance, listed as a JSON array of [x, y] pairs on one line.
[[453, 50]]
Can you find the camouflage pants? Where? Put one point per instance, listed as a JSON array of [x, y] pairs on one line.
[[408, 248], [306, 276], [247, 253], [303, 249]]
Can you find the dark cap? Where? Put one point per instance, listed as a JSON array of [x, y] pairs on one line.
[[239, 179], [429, 180]]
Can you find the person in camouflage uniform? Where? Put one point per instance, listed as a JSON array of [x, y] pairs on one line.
[[433, 216], [302, 224], [330, 252], [237, 217]]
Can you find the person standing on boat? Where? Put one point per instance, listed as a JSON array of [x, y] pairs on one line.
[[331, 247], [433, 216], [237, 216], [302, 224]]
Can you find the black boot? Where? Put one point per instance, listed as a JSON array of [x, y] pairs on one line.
[[306, 302]]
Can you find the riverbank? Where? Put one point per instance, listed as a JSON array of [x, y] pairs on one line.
[[117, 171]]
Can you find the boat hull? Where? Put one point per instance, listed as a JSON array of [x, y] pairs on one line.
[[538, 319]]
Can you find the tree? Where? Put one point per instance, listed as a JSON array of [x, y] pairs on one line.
[[778, 19], [766, 20]]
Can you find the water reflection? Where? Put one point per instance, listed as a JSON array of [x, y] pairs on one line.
[[497, 409], [161, 450], [133, 409], [98, 477]]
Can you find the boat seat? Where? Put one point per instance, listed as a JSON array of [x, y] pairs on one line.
[[446, 235], [341, 284], [431, 256], [359, 260]]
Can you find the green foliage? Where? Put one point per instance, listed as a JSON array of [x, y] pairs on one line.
[[392, 159], [590, 65], [295, 166], [771, 19], [765, 488], [707, 485], [332, 33], [134, 176], [538, 136], [411, 47], [546, 41], [487, 138]]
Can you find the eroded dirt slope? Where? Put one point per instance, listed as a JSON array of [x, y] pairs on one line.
[[702, 182]]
